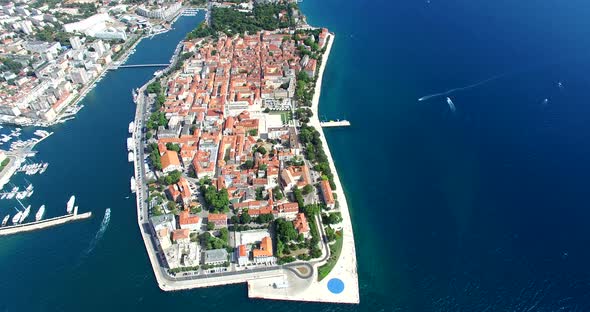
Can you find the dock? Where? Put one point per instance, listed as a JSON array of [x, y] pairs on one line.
[[337, 123], [39, 225]]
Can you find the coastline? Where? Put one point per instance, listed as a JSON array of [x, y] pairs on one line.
[[346, 266]]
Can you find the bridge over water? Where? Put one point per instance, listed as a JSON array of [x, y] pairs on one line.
[[138, 65]]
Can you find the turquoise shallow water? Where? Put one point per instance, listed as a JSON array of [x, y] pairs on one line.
[[482, 210]]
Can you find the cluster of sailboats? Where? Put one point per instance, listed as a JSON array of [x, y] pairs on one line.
[[30, 169], [21, 216], [5, 138], [14, 193]]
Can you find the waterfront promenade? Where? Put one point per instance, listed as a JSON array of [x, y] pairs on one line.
[[345, 269]]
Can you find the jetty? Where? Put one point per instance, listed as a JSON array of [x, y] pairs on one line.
[[337, 123], [38, 225]]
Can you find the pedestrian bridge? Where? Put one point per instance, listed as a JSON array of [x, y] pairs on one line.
[[141, 65]]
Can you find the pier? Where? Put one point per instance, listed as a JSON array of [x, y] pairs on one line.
[[337, 123], [38, 225]]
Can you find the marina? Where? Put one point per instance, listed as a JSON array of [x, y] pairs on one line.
[[15, 194], [18, 219], [33, 168]]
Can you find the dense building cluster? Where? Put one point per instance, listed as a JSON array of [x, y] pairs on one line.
[[224, 133], [51, 52]]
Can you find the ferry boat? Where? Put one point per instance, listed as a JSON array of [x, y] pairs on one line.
[[16, 218], [131, 127], [70, 204], [25, 214], [5, 220], [133, 185], [130, 157], [40, 213]]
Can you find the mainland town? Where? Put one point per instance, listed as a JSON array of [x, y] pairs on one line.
[[234, 179]]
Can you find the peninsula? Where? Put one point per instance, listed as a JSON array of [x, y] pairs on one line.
[[234, 179]]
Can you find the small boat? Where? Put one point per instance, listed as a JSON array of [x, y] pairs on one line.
[[133, 185], [40, 213], [16, 218], [5, 220], [451, 105], [25, 214], [70, 204]]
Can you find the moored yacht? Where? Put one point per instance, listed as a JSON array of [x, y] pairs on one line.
[[5, 220], [40, 213], [70, 205]]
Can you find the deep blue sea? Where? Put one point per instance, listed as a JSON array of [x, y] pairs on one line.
[[484, 209]]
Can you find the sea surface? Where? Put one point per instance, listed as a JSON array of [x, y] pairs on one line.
[[484, 209]]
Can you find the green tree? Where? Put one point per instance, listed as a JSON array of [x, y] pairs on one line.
[[210, 226], [285, 230], [277, 193], [249, 164], [307, 189], [173, 147], [224, 234], [173, 177], [154, 87], [245, 218], [259, 193], [264, 218]]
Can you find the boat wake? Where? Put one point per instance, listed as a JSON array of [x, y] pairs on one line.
[[448, 92], [103, 227]]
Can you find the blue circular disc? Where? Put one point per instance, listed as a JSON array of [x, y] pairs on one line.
[[335, 285]]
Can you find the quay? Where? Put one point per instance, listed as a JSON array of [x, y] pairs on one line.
[[38, 225], [337, 123]]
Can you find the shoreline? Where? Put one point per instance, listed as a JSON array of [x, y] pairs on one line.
[[346, 266]]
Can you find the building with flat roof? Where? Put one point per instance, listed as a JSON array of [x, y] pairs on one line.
[[215, 256]]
